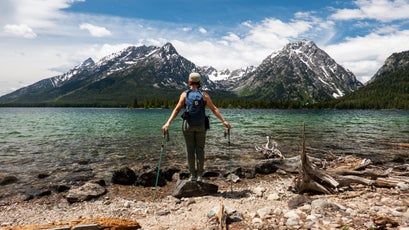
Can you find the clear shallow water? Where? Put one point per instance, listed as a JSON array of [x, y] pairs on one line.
[[34, 140]]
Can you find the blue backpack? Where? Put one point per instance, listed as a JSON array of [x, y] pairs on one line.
[[194, 107]]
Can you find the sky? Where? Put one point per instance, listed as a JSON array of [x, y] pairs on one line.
[[44, 38]]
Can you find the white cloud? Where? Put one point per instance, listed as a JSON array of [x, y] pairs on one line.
[[96, 31], [34, 13], [231, 37], [212, 53], [272, 28], [202, 30], [247, 44], [381, 10], [236, 51], [365, 55], [21, 30]]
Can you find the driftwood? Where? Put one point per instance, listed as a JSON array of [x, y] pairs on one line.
[[270, 152], [221, 217], [312, 179], [398, 144], [291, 165]]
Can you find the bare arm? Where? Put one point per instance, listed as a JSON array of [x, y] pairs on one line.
[[175, 111], [215, 110]]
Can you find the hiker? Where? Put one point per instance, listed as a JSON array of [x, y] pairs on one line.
[[193, 126]]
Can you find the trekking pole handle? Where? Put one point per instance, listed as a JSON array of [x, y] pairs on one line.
[[166, 135], [227, 134]]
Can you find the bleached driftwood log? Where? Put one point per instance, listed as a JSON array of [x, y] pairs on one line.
[[291, 165]]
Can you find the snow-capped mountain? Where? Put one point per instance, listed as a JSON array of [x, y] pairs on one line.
[[299, 72], [59, 80], [140, 67], [225, 79]]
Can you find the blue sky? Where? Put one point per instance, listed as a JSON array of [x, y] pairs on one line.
[[44, 38]]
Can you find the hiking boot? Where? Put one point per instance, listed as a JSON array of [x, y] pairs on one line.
[[192, 178]]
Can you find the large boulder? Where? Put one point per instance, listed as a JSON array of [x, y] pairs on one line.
[[147, 177], [86, 192], [186, 188], [124, 176]]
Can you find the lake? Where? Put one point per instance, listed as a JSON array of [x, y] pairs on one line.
[[38, 140]]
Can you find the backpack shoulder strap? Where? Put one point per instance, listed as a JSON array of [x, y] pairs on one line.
[[187, 92], [187, 95], [201, 92]]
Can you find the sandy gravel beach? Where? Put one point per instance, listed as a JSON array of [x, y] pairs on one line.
[[265, 202]]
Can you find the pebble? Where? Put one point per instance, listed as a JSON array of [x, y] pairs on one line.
[[273, 196], [292, 214], [270, 212], [257, 220], [265, 212], [259, 191], [403, 186]]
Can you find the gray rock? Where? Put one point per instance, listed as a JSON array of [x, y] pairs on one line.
[[259, 191], [298, 201], [7, 179], [124, 176], [185, 188], [236, 217], [147, 177], [86, 192], [293, 218], [263, 213], [32, 193], [403, 186], [233, 177]]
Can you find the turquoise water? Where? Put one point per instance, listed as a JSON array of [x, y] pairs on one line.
[[34, 140]]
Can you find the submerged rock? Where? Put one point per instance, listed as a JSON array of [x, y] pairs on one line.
[[7, 179]]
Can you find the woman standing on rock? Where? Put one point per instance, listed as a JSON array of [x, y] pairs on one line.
[[193, 127]]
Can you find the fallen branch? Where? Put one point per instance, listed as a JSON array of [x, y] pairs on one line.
[[397, 144], [368, 173]]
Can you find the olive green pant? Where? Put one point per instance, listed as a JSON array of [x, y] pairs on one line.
[[195, 138]]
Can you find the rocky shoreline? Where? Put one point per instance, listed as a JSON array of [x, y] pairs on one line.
[[255, 201]]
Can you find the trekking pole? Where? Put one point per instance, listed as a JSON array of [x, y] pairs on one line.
[[162, 149], [227, 134]]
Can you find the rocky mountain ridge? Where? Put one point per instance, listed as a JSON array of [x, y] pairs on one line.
[[387, 89], [300, 71]]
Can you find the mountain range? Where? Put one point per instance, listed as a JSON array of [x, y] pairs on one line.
[[387, 89], [300, 72]]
